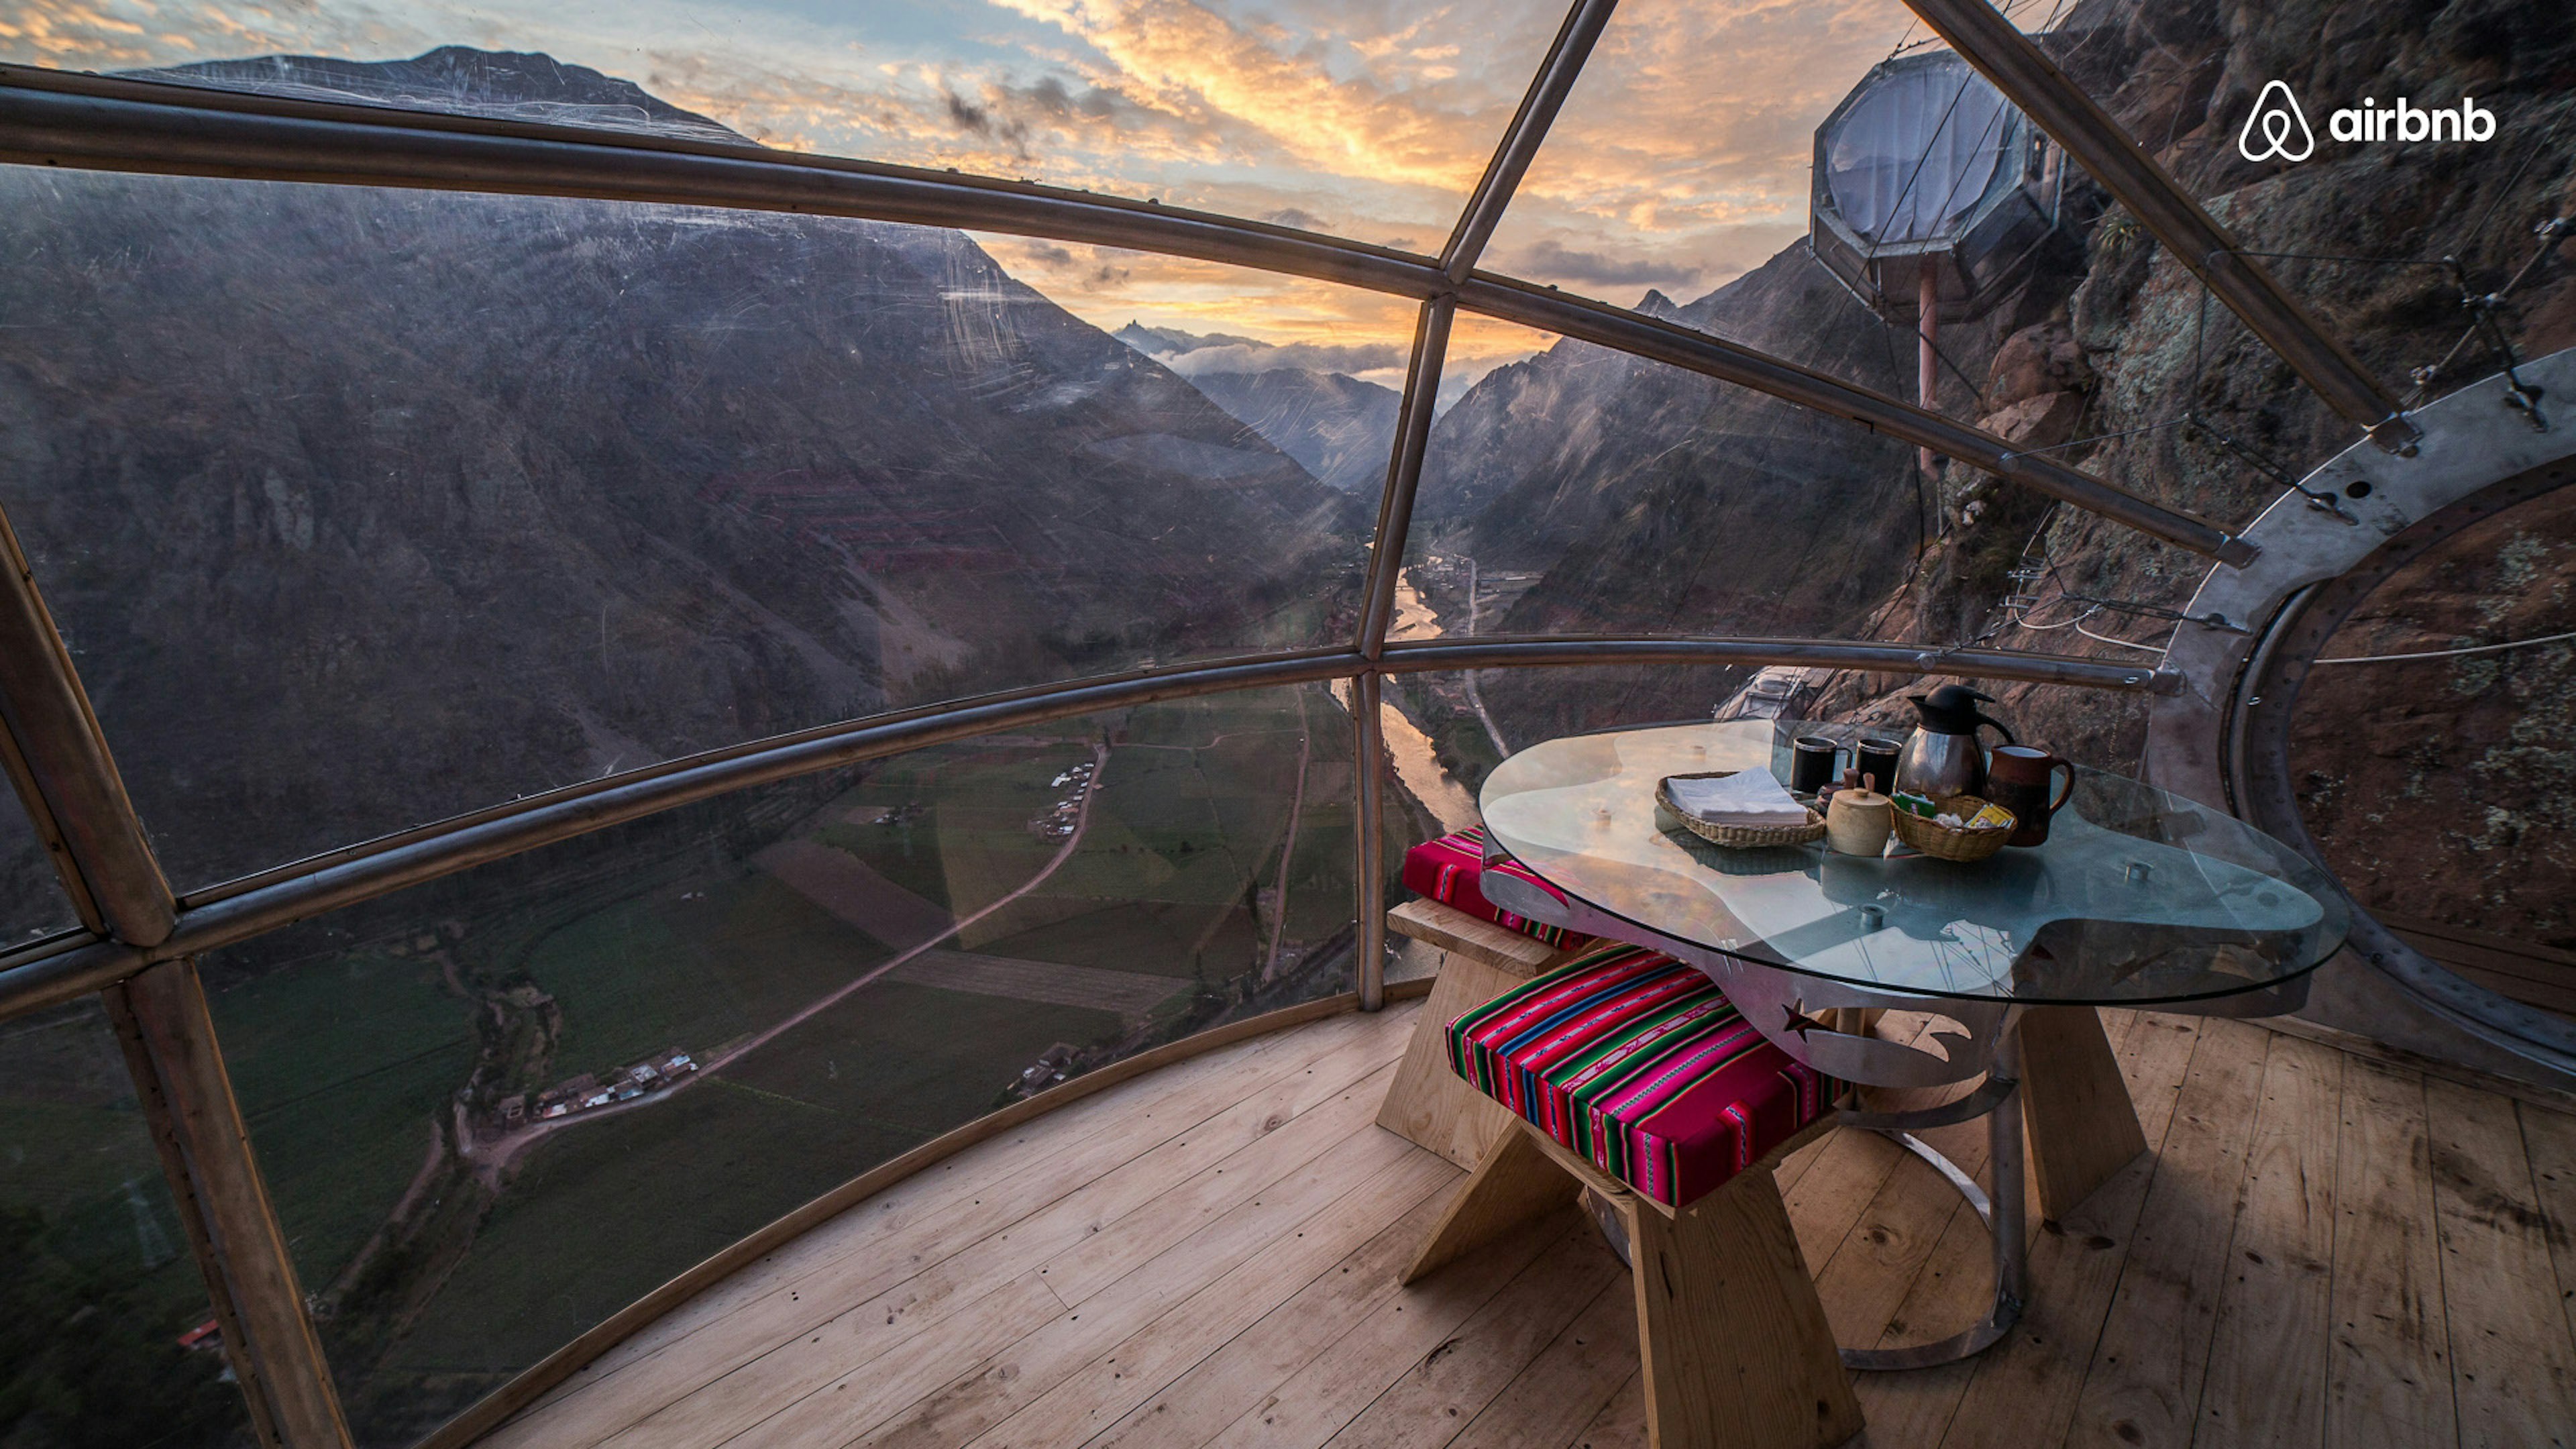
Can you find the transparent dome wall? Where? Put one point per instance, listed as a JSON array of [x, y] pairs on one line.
[[363, 508], [588, 541], [496, 1109]]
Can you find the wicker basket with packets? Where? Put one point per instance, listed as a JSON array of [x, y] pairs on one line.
[[1982, 829], [1737, 837]]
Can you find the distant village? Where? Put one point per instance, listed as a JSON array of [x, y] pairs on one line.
[[587, 1092], [1058, 823]]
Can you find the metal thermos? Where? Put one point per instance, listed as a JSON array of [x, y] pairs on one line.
[[1943, 759]]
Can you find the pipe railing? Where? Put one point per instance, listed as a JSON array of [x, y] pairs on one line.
[[76, 965]]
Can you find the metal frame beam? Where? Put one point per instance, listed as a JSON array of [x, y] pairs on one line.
[[50, 118], [60, 762], [2029, 79], [1521, 139], [169, 1038], [73, 966]]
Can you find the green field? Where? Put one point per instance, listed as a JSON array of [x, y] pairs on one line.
[[604, 1213], [342, 1067], [348, 1059]]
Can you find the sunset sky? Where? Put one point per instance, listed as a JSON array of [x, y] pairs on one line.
[[1680, 161]]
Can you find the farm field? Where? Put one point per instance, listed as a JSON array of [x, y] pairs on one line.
[[749, 932]]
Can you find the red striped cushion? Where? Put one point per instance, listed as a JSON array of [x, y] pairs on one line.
[[1642, 1065], [1446, 870]]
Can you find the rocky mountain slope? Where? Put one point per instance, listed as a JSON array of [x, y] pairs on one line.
[[2198, 414], [360, 508], [1652, 500]]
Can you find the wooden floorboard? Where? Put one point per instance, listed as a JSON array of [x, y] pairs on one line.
[[2388, 1367], [2513, 1377], [2321, 1249]]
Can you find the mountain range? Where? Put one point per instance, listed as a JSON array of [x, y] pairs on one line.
[[362, 507]]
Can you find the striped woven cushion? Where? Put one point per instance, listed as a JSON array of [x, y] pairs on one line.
[[1642, 1065], [1446, 870]]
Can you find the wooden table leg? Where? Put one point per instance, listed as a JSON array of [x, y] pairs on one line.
[[1737, 1353], [2081, 1126], [1516, 1181], [1427, 1104]]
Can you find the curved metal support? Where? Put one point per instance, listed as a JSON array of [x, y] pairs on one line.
[[71, 966], [2224, 737], [1987, 1097], [1684, 347], [1368, 871], [1404, 471], [54, 118], [2026, 76], [2005, 1216]]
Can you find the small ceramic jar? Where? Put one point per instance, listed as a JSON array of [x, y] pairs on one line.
[[1859, 822]]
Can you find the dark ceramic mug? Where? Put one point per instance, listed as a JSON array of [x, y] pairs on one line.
[[2017, 778], [1875, 758], [1812, 761]]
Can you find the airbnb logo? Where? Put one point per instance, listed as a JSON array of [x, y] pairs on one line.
[[2283, 126], [2277, 129]]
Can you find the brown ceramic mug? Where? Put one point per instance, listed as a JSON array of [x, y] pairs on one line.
[[2017, 778]]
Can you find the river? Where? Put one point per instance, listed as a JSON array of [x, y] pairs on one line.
[[1417, 764]]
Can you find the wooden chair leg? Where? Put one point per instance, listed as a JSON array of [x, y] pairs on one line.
[[2075, 1106], [1426, 1104], [1736, 1349], [1516, 1182]]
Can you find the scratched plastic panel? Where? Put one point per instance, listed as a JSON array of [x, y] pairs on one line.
[[361, 509], [496, 1109]]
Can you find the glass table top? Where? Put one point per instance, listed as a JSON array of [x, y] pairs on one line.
[[2137, 897]]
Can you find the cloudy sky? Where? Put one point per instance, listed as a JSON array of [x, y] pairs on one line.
[[1680, 161]]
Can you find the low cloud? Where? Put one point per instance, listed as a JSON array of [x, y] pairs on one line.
[[1553, 261], [1264, 357]]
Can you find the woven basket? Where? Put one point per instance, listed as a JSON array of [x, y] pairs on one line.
[[1953, 842], [1737, 837]]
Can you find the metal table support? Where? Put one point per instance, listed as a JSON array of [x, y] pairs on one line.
[[1999, 1099]]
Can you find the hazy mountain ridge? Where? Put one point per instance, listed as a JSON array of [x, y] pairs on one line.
[[461, 80], [1340, 427]]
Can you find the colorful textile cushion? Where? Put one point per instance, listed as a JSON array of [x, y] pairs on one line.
[[1446, 870], [1640, 1064]]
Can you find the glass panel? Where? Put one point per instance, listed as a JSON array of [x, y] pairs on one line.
[[495, 1109], [1316, 370], [1590, 491], [109, 1339], [32, 889], [2439, 787], [362, 508], [1681, 157], [1370, 121]]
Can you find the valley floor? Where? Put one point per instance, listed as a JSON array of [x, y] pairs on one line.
[[2322, 1250]]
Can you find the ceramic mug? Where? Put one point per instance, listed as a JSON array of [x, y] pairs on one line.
[[1812, 762], [2017, 778]]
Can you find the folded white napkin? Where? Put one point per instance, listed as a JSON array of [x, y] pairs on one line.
[[1747, 797]]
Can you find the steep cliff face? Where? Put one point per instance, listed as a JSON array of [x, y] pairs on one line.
[[2195, 413], [363, 507]]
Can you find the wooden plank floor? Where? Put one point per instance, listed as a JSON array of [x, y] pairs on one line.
[[2322, 1250]]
